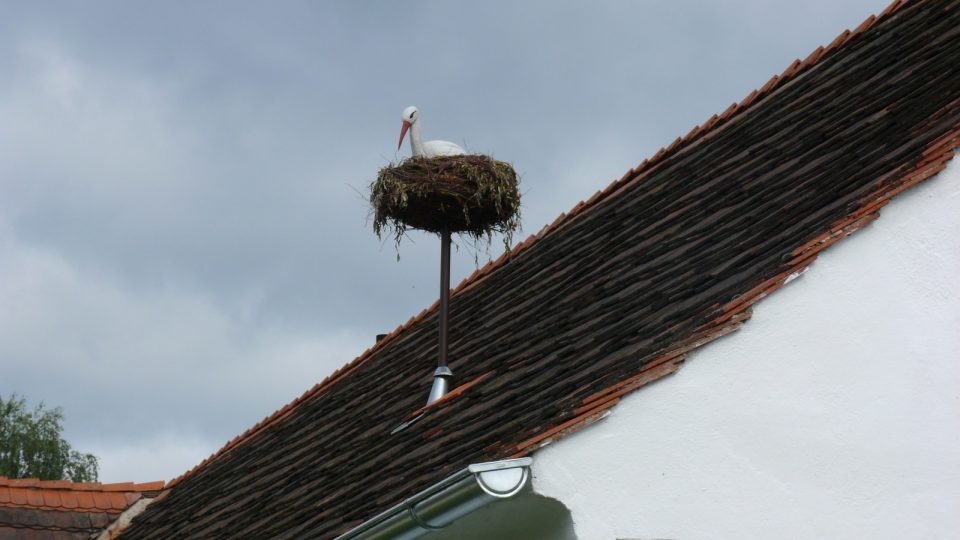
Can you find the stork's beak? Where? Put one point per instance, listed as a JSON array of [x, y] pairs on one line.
[[406, 126]]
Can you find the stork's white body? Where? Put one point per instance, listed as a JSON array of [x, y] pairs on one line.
[[418, 148]]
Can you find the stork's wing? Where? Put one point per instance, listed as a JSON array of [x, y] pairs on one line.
[[441, 148]]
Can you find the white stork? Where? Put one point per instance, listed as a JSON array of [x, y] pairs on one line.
[[411, 121]]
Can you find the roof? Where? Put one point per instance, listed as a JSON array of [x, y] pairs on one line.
[[609, 297], [32, 509]]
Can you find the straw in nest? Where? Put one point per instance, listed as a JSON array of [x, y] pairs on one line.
[[468, 194]]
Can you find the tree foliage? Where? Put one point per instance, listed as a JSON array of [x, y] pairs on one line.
[[31, 445]]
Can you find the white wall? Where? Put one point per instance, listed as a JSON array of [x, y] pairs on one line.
[[833, 413]]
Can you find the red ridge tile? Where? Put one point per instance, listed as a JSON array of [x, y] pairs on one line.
[[814, 56], [101, 500], [19, 496], [708, 125], [35, 497], [50, 497], [791, 69], [865, 25], [838, 41], [730, 110], [748, 100], [891, 8], [68, 499], [85, 499], [117, 500]]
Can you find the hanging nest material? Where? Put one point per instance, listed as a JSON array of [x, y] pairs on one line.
[[468, 194]]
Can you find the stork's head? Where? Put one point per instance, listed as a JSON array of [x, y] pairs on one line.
[[410, 116]]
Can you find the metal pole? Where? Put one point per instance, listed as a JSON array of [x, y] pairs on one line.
[[444, 294], [442, 376]]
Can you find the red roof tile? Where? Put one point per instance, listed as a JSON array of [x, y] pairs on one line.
[[64, 495], [57, 509]]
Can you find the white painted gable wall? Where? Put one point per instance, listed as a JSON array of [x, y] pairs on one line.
[[833, 413]]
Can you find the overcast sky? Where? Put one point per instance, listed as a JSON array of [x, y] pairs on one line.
[[184, 233]]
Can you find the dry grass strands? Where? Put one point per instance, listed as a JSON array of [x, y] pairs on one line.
[[469, 194]]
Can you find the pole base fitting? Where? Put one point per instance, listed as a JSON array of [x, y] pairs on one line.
[[442, 378]]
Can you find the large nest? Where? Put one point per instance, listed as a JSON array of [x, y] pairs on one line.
[[468, 194]]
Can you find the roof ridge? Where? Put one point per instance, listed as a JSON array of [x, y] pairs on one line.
[[712, 126], [80, 486]]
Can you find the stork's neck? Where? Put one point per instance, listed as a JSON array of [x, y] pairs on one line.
[[416, 143]]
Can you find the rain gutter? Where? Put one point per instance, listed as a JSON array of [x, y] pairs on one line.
[[446, 501]]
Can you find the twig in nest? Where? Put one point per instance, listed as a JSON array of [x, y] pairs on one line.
[[473, 195]]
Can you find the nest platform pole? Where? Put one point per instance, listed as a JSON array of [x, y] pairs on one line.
[[444, 293], [442, 375]]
